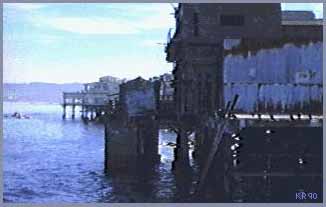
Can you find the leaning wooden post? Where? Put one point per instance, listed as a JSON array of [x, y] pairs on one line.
[[217, 139]]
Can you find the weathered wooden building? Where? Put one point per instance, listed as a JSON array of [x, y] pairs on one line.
[[274, 77], [196, 50], [272, 61], [205, 35]]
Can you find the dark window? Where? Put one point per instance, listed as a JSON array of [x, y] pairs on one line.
[[232, 20], [195, 19]]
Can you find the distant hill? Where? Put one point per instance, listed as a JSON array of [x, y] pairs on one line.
[[38, 92]]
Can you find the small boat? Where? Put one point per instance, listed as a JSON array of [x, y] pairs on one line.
[[20, 116], [16, 115]]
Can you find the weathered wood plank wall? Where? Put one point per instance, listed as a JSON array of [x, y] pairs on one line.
[[281, 79]]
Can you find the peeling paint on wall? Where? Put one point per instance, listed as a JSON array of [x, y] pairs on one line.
[[140, 101], [276, 98], [138, 96], [248, 95], [278, 65], [280, 80]]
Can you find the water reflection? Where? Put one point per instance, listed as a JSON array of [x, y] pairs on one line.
[[47, 160], [147, 184]]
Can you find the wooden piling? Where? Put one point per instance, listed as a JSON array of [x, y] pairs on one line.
[[64, 111], [220, 125], [181, 152], [73, 111], [92, 114]]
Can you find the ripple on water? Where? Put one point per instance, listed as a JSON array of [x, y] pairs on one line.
[[50, 160]]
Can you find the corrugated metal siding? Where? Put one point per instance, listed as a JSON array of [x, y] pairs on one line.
[[278, 80], [277, 65]]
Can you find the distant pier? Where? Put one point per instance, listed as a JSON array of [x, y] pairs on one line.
[[95, 99], [90, 108]]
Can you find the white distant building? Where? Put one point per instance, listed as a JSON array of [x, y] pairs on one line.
[[96, 93], [105, 84], [96, 97]]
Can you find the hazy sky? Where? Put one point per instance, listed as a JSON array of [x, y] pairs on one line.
[[62, 43]]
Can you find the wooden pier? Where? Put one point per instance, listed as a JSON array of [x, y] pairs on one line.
[[91, 107], [94, 100]]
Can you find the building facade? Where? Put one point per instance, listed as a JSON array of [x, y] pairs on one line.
[[200, 51], [96, 93], [271, 60]]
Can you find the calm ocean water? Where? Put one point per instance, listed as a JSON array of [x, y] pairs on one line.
[[47, 159], [50, 160]]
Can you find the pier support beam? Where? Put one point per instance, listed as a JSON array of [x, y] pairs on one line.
[[98, 114], [92, 114], [181, 152], [73, 111], [82, 112], [86, 112], [199, 138], [64, 111]]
